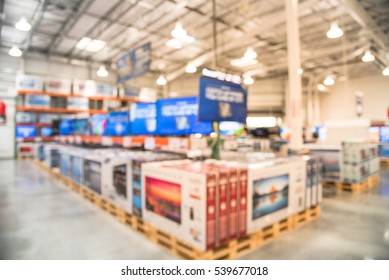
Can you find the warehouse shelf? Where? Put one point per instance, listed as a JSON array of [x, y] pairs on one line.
[[69, 95], [35, 124], [35, 139], [58, 110]]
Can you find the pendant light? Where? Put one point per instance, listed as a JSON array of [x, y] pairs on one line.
[[250, 54], [248, 80], [190, 68], [368, 56], [386, 71], [329, 80], [15, 51], [161, 81], [334, 31], [102, 72], [23, 25]]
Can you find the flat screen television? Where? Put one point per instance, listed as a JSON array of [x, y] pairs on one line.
[[384, 134], [374, 134], [25, 131], [164, 199], [98, 124], [270, 195], [117, 124], [46, 131], [143, 118], [81, 127], [230, 128], [179, 116], [66, 127]]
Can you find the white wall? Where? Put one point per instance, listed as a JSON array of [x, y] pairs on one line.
[[340, 102]]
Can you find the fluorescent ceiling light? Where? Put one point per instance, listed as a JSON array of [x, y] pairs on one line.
[[90, 45], [368, 56], [174, 43], [161, 81], [329, 81], [250, 54], [386, 71], [300, 71], [15, 51], [248, 80], [334, 31], [243, 62], [23, 25], [102, 72], [321, 87], [190, 68]]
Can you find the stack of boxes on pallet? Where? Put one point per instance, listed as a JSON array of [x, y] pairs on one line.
[[206, 204], [359, 161]]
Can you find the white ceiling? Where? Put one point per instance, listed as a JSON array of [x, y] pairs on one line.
[[125, 24]]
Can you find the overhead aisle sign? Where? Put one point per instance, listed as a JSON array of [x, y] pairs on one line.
[[134, 63], [222, 101]]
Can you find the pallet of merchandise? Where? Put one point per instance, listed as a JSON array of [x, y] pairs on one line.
[[359, 187], [229, 251], [25, 156], [384, 162]]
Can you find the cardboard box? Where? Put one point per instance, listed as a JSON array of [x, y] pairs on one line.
[[52, 155], [84, 87], [105, 90], [37, 101], [65, 161], [56, 85], [182, 201], [78, 103], [25, 82]]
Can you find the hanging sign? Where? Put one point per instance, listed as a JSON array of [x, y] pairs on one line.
[[359, 103], [222, 101], [134, 63]]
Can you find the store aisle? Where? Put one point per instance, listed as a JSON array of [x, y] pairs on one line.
[[42, 219]]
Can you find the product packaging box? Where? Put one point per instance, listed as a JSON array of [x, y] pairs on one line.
[[23, 117], [52, 155], [33, 83], [25, 149], [182, 202], [143, 119], [98, 123], [55, 85], [47, 118], [65, 161], [77, 164], [84, 87], [105, 90], [118, 124], [78, 103], [275, 192], [25, 131], [39, 151], [37, 101]]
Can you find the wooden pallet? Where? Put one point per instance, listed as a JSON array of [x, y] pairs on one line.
[[25, 156], [384, 162], [231, 250], [363, 186]]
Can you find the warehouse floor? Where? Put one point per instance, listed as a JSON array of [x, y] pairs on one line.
[[41, 219]]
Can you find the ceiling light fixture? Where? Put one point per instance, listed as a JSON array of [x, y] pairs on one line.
[[321, 87], [329, 81], [250, 54], [15, 51], [334, 31], [90, 45], [190, 68], [23, 25], [368, 56], [102, 72], [248, 80], [386, 71], [300, 71], [174, 43], [180, 37], [161, 81], [178, 32], [243, 62]]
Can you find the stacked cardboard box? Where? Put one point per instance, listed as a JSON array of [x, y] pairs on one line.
[[359, 160]]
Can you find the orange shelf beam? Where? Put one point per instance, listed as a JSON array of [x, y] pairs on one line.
[[57, 110]]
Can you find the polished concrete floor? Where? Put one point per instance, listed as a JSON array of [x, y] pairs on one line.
[[42, 219]]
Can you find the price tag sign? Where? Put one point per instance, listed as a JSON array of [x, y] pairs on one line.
[[174, 144], [19, 140], [107, 141], [127, 142], [78, 139], [62, 139], [71, 139], [38, 139], [149, 143]]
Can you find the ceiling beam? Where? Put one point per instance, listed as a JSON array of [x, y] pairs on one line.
[[362, 17]]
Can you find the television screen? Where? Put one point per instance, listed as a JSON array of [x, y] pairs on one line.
[[47, 118], [270, 195], [164, 199], [38, 100], [98, 123], [25, 131], [46, 131], [23, 117], [230, 128], [179, 116], [66, 127], [374, 134], [117, 124], [143, 118], [384, 131], [81, 127]]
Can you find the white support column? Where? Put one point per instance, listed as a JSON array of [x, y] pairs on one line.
[[293, 36]]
